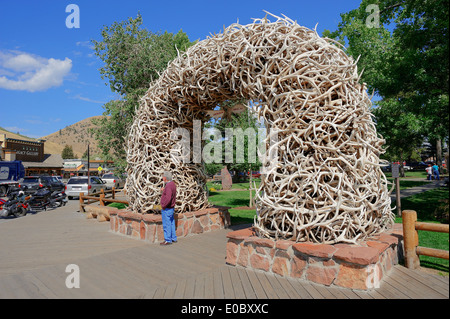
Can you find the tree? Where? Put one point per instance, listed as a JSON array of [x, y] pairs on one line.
[[405, 62], [245, 131], [67, 152], [133, 58]]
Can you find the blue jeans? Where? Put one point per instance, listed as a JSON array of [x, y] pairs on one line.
[[436, 174], [168, 222]]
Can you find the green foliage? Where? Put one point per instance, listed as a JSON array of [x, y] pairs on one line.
[[133, 57], [118, 205], [67, 152], [405, 61], [241, 121]]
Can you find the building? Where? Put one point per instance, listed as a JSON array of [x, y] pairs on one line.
[[32, 154], [79, 167]]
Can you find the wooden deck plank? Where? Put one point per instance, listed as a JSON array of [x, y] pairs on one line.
[[439, 283], [227, 284], [238, 289], [117, 277], [268, 289], [298, 287], [413, 288], [209, 285], [282, 294], [190, 288], [324, 291], [246, 284], [179, 290], [53, 279], [420, 279], [362, 294], [391, 292], [311, 289], [375, 294], [170, 291], [256, 285], [199, 289], [218, 285], [18, 288], [159, 293], [339, 292], [44, 291], [292, 293]]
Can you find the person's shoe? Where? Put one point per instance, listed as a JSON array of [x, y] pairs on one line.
[[164, 243], [174, 241]]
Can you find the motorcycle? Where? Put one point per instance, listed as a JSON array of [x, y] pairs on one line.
[[43, 199], [17, 205], [58, 199]]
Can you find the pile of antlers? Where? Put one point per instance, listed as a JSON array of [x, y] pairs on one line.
[[326, 184]]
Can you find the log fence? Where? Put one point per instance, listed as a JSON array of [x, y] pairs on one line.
[[411, 239], [104, 197]]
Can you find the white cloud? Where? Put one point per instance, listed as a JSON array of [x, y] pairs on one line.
[[82, 98], [28, 72]]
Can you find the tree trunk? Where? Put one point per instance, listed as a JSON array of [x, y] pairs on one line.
[[439, 154]]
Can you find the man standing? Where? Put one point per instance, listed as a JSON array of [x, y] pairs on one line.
[[436, 171], [429, 170], [168, 199]]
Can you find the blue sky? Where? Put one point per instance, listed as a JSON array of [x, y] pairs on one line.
[[49, 76]]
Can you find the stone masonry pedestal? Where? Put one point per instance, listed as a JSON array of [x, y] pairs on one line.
[[148, 227], [360, 266]]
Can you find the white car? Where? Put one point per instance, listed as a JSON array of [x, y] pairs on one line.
[[113, 181], [79, 184]]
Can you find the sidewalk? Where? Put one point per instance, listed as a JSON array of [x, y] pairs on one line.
[[416, 190]]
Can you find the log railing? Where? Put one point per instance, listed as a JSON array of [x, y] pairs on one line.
[[100, 197], [411, 239]]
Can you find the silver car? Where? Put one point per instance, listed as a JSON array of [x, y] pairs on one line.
[[113, 181], [79, 184]]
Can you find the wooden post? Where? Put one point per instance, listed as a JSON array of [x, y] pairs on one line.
[[113, 193], [81, 202], [102, 196], [410, 239]]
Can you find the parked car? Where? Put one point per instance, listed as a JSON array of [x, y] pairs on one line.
[[79, 184], [113, 181], [33, 183], [256, 174]]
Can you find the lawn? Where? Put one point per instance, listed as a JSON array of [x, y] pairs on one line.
[[235, 199], [424, 204]]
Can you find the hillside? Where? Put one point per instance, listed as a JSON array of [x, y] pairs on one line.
[[76, 135]]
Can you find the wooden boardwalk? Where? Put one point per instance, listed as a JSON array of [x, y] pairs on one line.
[[34, 256]]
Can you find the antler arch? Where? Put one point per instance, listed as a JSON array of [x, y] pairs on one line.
[[328, 186]]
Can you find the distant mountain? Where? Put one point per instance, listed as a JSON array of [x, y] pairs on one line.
[[76, 135]]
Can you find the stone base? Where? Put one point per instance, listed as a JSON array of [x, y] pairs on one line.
[[148, 227], [360, 266]]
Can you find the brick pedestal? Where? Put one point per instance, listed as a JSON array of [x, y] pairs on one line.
[[360, 266], [148, 227]]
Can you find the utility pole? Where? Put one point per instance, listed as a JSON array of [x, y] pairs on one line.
[[89, 169]]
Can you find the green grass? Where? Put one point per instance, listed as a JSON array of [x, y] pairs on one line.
[[235, 199], [425, 205], [118, 205]]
